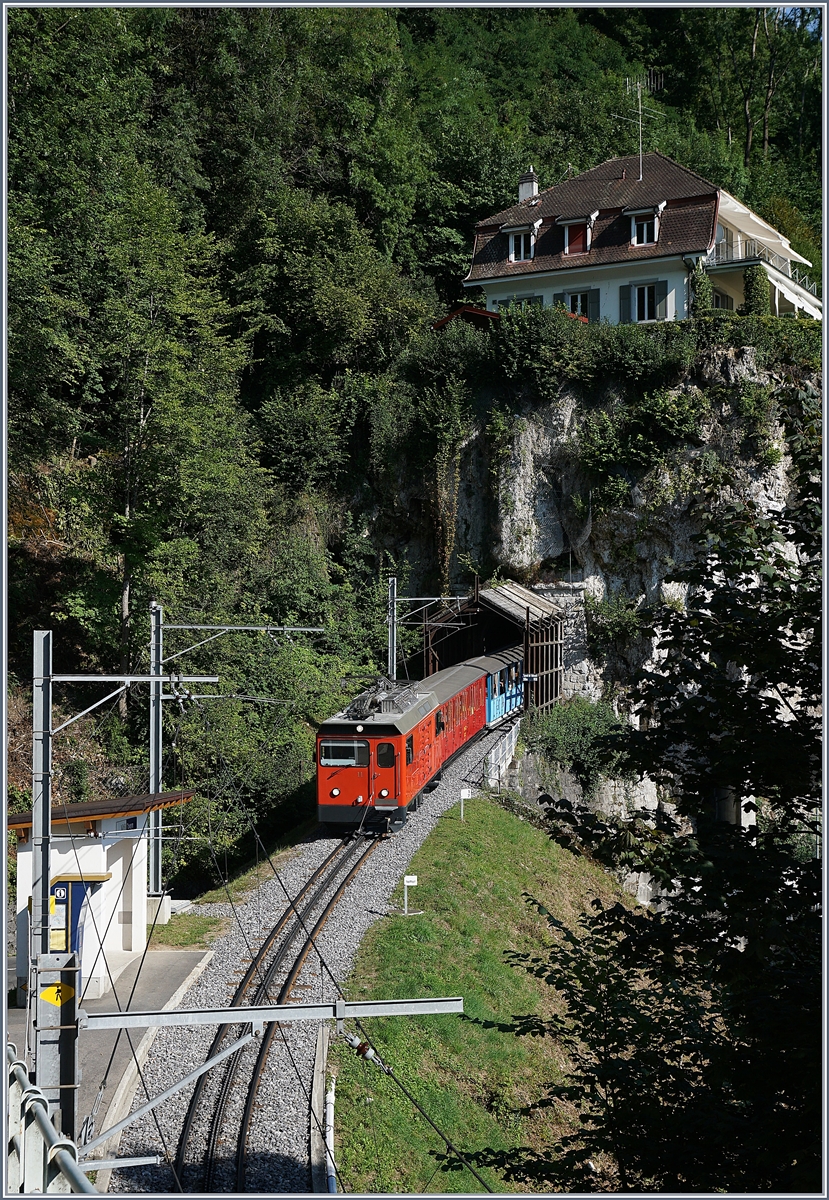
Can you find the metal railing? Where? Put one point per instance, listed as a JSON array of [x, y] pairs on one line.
[[488, 771], [39, 1158], [751, 249]]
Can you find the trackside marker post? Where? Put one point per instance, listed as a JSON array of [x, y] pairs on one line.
[[409, 881], [466, 794]]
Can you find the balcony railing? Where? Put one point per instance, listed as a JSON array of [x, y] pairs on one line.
[[750, 249]]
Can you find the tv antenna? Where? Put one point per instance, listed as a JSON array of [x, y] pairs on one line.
[[637, 120]]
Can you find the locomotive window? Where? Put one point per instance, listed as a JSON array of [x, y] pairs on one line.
[[344, 754], [410, 749], [439, 726], [385, 754]]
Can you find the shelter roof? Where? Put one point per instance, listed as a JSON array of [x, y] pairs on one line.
[[512, 600], [99, 810]]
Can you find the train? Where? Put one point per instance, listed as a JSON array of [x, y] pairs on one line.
[[377, 758]]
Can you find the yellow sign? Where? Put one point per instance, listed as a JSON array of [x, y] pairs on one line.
[[57, 994]]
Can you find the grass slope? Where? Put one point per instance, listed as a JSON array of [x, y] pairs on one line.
[[470, 1079]]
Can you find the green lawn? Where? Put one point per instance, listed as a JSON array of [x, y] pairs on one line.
[[189, 930], [469, 1079]]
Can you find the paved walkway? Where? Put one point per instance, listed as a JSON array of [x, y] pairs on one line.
[[163, 976]]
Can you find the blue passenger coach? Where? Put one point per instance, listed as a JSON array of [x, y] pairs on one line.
[[504, 684]]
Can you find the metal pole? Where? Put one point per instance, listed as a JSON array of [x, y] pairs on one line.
[[41, 789], [156, 655], [56, 1038], [393, 628]]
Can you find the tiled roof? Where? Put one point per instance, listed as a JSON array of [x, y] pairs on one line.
[[687, 225]]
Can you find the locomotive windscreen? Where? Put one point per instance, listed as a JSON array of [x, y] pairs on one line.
[[343, 754]]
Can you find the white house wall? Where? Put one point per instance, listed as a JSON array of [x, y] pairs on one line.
[[607, 280], [116, 920]]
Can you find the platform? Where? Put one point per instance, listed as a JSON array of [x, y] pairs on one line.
[[163, 980]]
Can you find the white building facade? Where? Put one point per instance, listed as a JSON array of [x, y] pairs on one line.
[[617, 245], [99, 906]]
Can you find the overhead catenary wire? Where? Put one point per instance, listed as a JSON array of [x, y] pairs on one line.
[[387, 1070]]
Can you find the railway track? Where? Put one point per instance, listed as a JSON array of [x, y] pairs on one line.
[[270, 978]]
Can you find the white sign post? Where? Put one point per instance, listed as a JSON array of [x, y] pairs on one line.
[[409, 881], [466, 794]]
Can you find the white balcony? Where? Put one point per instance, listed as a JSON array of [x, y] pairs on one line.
[[751, 250]]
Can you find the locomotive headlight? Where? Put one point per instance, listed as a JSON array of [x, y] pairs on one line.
[[335, 791], [359, 729], [384, 793]]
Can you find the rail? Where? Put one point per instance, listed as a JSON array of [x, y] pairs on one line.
[[39, 1158], [754, 250]]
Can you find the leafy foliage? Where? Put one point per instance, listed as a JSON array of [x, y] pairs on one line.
[[572, 734], [614, 623], [703, 291], [756, 289]]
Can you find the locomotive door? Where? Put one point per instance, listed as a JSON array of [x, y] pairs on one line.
[[385, 775]]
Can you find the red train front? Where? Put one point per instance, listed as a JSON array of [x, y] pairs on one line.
[[377, 757]]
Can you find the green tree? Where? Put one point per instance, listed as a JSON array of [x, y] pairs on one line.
[[756, 290], [703, 290]]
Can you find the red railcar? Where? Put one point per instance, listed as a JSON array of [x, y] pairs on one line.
[[377, 757]]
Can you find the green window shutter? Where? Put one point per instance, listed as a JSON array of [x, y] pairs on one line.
[[558, 298], [662, 300], [624, 304], [593, 304]]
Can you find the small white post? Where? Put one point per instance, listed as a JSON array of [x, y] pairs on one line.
[[409, 881], [330, 1168], [466, 794]]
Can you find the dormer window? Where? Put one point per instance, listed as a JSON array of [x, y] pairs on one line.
[[521, 246], [644, 225], [575, 239], [644, 231], [578, 233]]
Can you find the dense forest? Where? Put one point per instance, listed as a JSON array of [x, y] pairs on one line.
[[230, 231]]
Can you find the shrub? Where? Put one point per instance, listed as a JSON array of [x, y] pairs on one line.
[[572, 735], [756, 289], [703, 300], [614, 623]]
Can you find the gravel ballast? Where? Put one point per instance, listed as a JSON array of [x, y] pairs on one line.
[[278, 1151]]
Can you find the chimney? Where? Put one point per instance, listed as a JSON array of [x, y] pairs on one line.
[[527, 186]]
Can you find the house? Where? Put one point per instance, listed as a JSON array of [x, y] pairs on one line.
[[99, 907], [617, 244]]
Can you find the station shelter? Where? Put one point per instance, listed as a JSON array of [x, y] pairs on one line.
[[486, 623], [99, 907]]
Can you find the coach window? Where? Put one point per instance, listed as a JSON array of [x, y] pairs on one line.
[[410, 749], [439, 726], [385, 754], [343, 754]]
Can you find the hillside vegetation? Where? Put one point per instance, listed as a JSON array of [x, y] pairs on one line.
[[230, 231]]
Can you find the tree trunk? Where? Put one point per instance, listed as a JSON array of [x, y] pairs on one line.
[[126, 580], [749, 133]]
